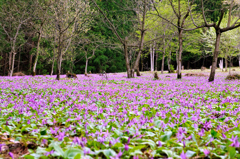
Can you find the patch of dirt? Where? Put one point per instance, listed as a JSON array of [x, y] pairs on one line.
[[17, 149], [195, 74]]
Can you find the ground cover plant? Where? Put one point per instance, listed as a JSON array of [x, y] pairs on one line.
[[143, 117]]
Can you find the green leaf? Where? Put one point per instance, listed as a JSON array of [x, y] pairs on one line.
[[109, 152], [169, 153], [190, 153], [214, 133], [43, 132], [28, 157], [232, 152], [166, 136], [148, 142], [72, 152], [58, 149], [77, 156]]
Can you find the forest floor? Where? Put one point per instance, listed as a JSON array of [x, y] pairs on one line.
[[95, 117]]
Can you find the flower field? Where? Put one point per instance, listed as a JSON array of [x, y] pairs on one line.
[[91, 117]]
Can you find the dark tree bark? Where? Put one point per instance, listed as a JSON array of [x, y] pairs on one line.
[[215, 56]]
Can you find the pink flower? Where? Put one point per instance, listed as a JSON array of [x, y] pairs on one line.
[[206, 152]]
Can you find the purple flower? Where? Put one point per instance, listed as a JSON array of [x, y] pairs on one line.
[[209, 141], [126, 147], [135, 157], [206, 152], [44, 141], [224, 136], [235, 142], [183, 155], [11, 155], [49, 153], [1, 147], [159, 144]]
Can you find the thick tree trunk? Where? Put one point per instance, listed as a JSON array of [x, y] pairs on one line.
[[215, 56], [138, 72], [37, 55], [179, 74]]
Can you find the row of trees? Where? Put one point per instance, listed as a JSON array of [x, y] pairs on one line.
[[53, 32]]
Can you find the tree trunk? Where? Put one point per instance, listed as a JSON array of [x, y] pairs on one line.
[[215, 56], [138, 72], [13, 60], [179, 74], [169, 61], [36, 58], [59, 60], [129, 74], [86, 66], [226, 63], [30, 62], [156, 58], [151, 58], [239, 60], [52, 66], [9, 63]]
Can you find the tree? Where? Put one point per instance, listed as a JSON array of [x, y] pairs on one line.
[[40, 19], [13, 16], [216, 17], [69, 17], [139, 8]]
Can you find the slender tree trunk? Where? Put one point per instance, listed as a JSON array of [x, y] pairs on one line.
[[30, 62], [19, 60], [163, 58], [179, 74], [230, 66], [129, 74], [9, 63], [59, 62], [226, 62], [239, 61], [37, 55], [52, 66], [156, 59], [86, 66], [215, 56], [13, 61], [151, 58], [169, 61], [143, 63]]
